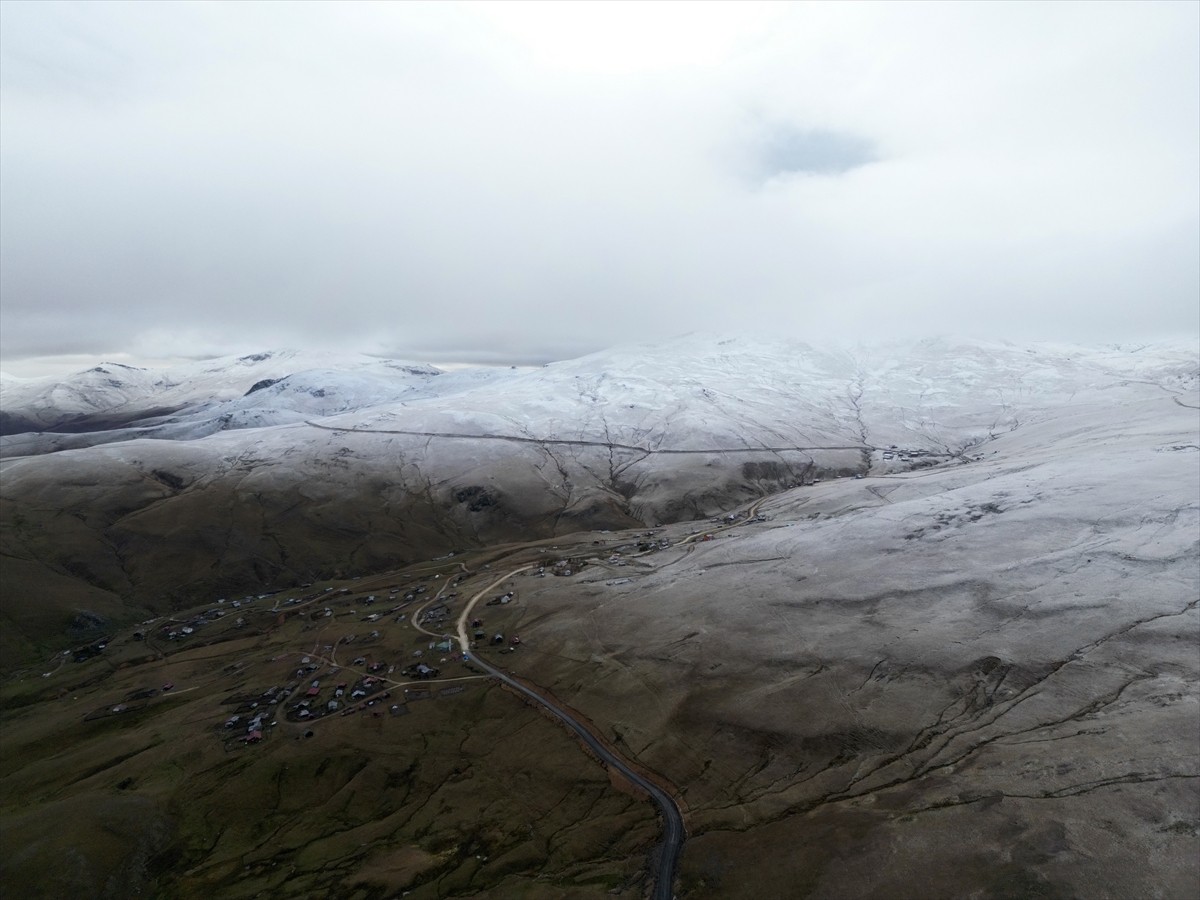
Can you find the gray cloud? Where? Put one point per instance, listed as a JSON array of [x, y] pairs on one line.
[[787, 150], [466, 181]]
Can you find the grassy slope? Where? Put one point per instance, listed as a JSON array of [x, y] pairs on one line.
[[467, 795]]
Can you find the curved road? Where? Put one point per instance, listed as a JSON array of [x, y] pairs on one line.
[[673, 833]]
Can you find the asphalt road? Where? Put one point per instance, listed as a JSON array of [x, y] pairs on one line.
[[673, 832]]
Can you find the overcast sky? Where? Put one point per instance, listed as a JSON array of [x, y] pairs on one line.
[[521, 182]]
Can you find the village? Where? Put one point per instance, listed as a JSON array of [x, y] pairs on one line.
[[355, 652], [399, 636], [381, 679], [369, 649]]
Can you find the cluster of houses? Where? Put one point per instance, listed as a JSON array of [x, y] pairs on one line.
[[479, 636], [420, 671], [648, 546], [561, 568], [894, 452], [307, 697], [345, 697], [253, 713], [649, 542], [499, 641], [178, 630], [733, 517], [435, 615], [393, 597], [253, 727]]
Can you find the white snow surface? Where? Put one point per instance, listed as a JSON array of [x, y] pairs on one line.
[[365, 465], [110, 388], [695, 393]]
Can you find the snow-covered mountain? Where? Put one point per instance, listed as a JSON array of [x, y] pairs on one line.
[[982, 621], [278, 467], [115, 394], [694, 393]]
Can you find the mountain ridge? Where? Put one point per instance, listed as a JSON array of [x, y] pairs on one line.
[[323, 470]]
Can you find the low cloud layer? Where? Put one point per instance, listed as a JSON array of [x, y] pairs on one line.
[[529, 181]]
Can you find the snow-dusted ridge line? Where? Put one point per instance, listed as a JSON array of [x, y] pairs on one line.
[[692, 395], [107, 387]]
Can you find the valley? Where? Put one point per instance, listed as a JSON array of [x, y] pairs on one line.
[[960, 660]]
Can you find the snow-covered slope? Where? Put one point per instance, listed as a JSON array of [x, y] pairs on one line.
[[701, 392], [115, 394], [930, 683], [694, 393], [966, 667], [325, 467]]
